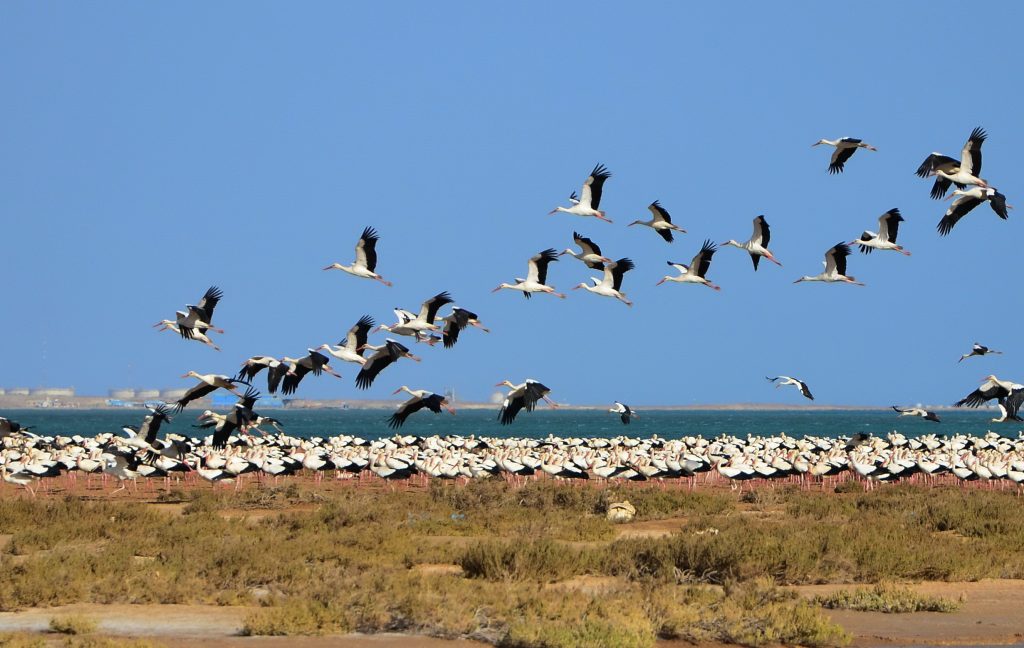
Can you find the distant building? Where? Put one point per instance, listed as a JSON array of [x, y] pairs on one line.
[[147, 394], [172, 394], [53, 392], [17, 391], [121, 394]]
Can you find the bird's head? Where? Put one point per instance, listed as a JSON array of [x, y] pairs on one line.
[[500, 286], [579, 285], [400, 390], [636, 222], [505, 383], [190, 374], [821, 141]]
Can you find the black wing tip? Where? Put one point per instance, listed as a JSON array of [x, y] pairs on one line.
[[624, 264], [978, 135], [895, 211], [369, 234], [213, 292], [367, 321], [841, 248], [835, 168], [709, 247], [600, 172], [549, 254], [666, 234]]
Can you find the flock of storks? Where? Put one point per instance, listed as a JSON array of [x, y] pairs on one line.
[[425, 326]]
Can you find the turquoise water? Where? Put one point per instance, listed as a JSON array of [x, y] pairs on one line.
[[371, 424]]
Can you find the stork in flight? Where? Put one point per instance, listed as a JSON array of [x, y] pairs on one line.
[[9, 427], [967, 200], [351, 348], [522, 396], [536, 276], [885, 239], [624, 411], [590, 196], [458, 320], [314, 362], [757, 246], [786, 380], [917, 411], [383, 356], [696, 271], [949, 170], [611, 284], [835, 267], [421, 398], [208, 383], [424, 320], [590, 253], [845, 148], [198, 334], [197, 317], [661, 222], [978, 350], [365, 265], [1009, 396]]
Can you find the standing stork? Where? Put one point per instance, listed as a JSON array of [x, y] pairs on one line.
[[917, 411], [661, 223], [757, 246], [978, 350], [967, 201], [696, 271], [590, 200], [590, 254], [786, 380], [611, 284], [382, 357], [624, 411], [522, 396], [351, 348], [835, 267], [421, 398], [458, 320], [885, 239], [314, 362], [845, 148], [962, 172], [365, 265], [536, 276]]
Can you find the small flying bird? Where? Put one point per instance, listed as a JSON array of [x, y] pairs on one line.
[[254, 365], [962, 172], [365, 265], [917, 411], [696, 271], [757, 246], [9, 427], [611, 284], [383, 356], [424, 320], [835, 267], [421, 398], [590, 200], [845, 148], [199, 334], [786, 380], [590, 255], [661, 223], [241, 418], [536, 276], [196, 317], [315, 363], [351, 348], [458, 320], [1009, 395], [885, 239], [624, 412], [522, 396], [208, 383], [978, 350], [967, 201]]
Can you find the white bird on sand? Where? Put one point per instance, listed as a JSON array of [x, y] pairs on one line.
[[845, 148], [590, 196], [365, 265]]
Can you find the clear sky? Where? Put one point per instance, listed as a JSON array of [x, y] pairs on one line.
[[149, 150]]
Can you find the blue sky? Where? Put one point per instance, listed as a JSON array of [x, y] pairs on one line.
[[152, 149]]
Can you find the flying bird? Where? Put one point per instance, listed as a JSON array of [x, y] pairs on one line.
[[351, 348], [1009, 395], [786, 380], [917, 411], [967, 201], [845, 148], [315, 363], [696, 271], [458, 320], [198, 334], [198, 317], [365, 265], [590, 196], [382, 357], [522, 396], [424, 320], [978, 350], [611, 284], [624, 411], [885, 239], [9, 427], [590, 254], [962, 172], [661, 223], [421, 398], [208, 383], [757, 246], [536, 276], [835, 267]]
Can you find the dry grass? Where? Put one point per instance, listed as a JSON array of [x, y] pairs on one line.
[[73, 624], [886, 598]]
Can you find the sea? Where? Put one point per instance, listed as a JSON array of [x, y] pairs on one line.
[[669, 424]]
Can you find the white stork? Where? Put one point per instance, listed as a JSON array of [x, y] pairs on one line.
[[661, 223], [314, 362], [383, 356], [845, 148], [424, 320], [421, 398], [1009, 395], [208, 383], [611, 284], [522, 396], [198, 334], [590, 200], [696, 271], [197, 317], [786, 380], [458, 320], [949, 170], [351, 348], [536, 276], [917, 411], [624, 411], [885, 239], [978, 350], [590, 253], [835, 267], [365, 265], [967, 200], [757, 246]]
